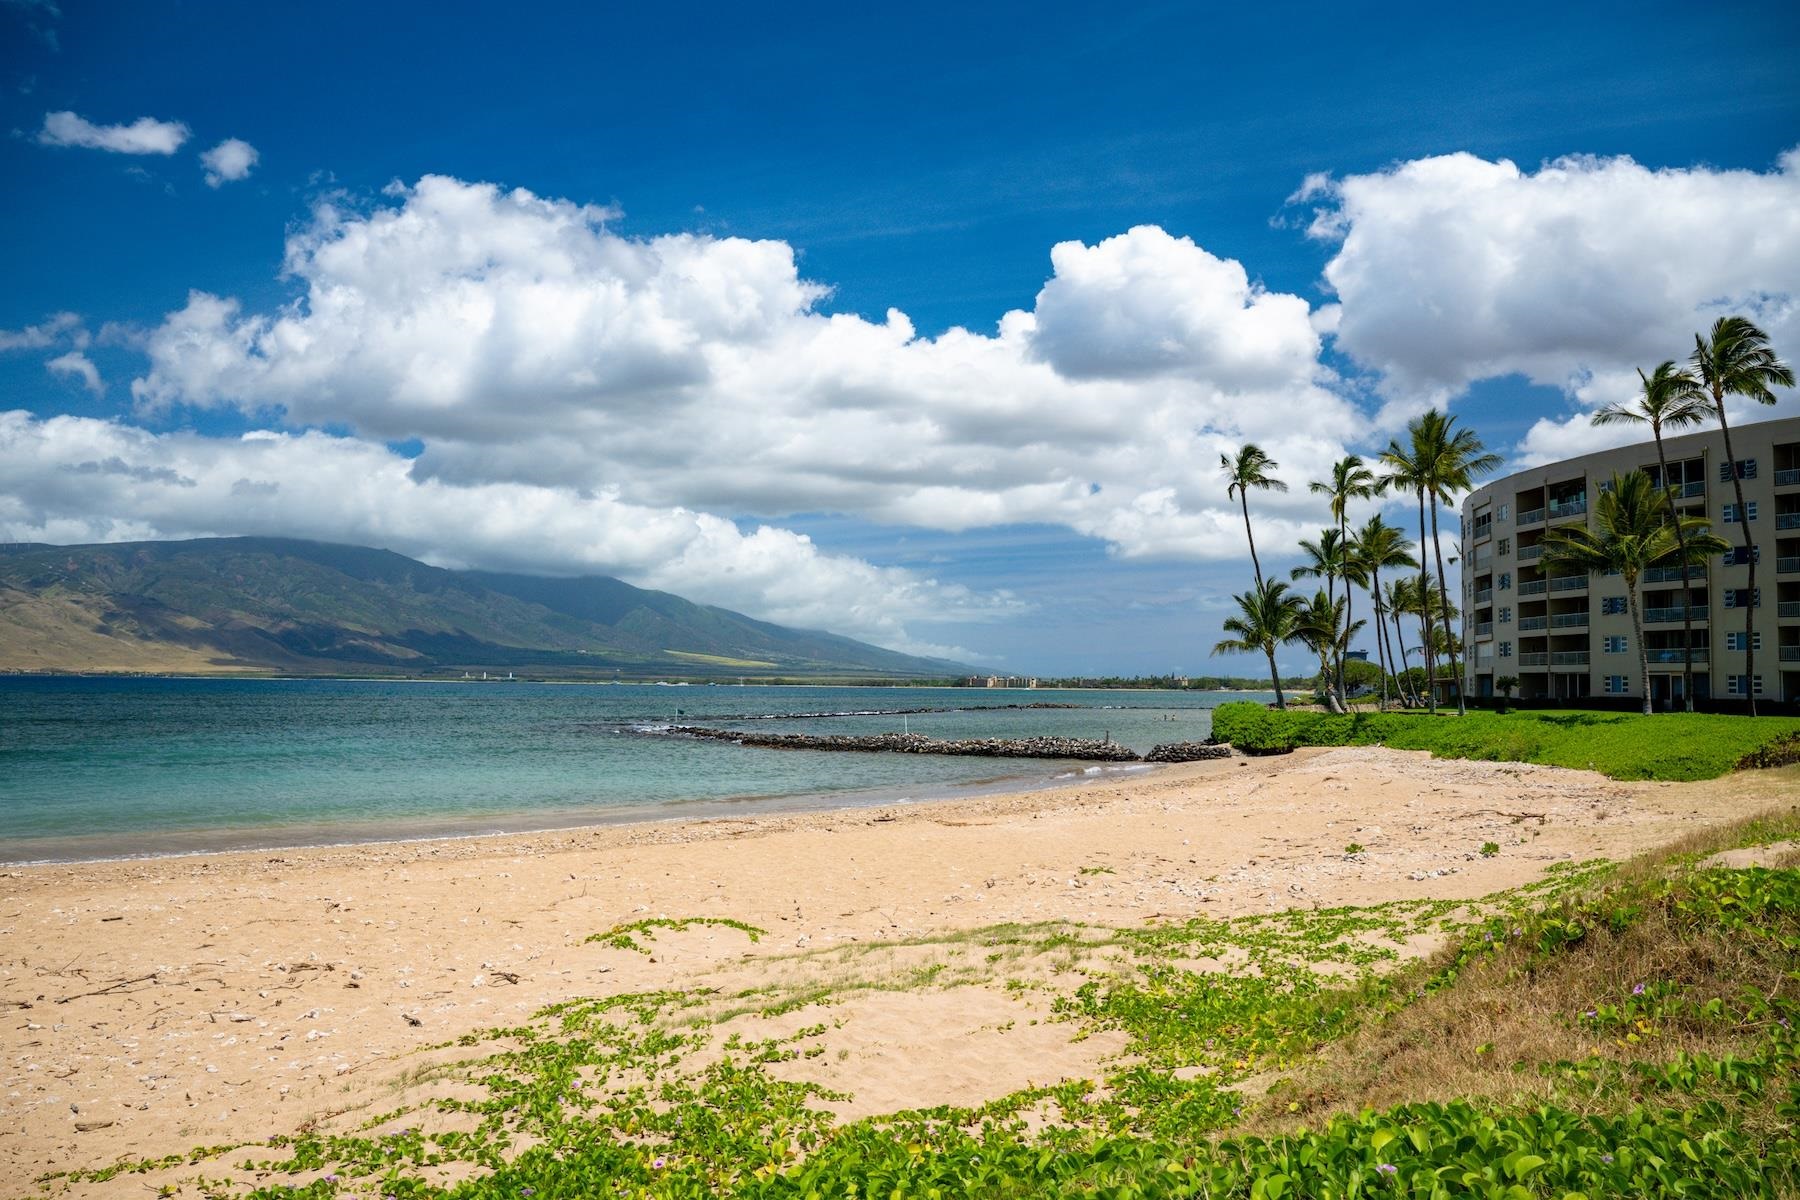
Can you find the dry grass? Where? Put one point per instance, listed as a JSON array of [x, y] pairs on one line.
[[1510, 1014]]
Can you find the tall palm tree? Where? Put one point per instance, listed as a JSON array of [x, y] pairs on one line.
[[1350, 480], [1250, 468], [1451, 459], [1671, 399], [1267, 618], [1631, 533], [1328, 558], [1396, 598], [1406, 472], [1379, 546], [1738, 361]]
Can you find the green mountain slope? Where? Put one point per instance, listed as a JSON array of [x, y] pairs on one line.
[[283, 605]]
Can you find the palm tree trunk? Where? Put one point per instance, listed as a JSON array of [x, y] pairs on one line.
[[1749, 559], [1275, 678], [1381, 657], [1637, 631], [1437, 549], [1687, 614], [1425, 647], [1244, 495]]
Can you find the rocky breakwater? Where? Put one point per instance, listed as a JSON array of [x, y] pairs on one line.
[[1177, 752], [918, 743]]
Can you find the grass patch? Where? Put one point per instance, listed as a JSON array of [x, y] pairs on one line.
[[1670, 746]]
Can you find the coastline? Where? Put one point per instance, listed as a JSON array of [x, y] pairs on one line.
[[157, 1003]]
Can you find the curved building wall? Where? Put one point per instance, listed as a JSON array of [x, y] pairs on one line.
[[1571, 638]]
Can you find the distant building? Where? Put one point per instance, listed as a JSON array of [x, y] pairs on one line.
[[1568, 637]]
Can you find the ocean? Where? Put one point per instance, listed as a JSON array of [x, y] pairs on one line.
[[96, 768]]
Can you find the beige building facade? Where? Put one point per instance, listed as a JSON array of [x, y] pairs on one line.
[[1571, 638]]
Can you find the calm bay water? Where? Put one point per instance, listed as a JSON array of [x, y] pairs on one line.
[[96, 768]]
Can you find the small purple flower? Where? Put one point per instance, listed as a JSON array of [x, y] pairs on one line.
[[1387, 1168], [1590, 1013], [1487, 937], [660, 1162], [1638, 990], [1606, 1158], [331, 1179], [527, 1191]]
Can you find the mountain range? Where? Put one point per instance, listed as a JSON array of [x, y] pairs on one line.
[[285, 606]]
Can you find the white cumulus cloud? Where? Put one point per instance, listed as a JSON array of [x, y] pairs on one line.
[[146, 135], [80, 366], [229, 161], [1453, 269], [523, 341]]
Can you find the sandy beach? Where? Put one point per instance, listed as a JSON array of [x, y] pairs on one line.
[[152, 1006]]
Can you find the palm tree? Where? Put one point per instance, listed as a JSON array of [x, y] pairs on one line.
[[1406, 472], [1351, 479], [1631, 533], [1398, 597], [1450, 458], [1671, 399], [1739, 361], [1380, 546], [1250, 469], [1268, 617], [1329, 558], [1324, 629]]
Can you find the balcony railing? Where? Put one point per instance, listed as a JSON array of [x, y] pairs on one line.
[[1654, 616], [1527, 624], [1695, 574], [1483, 595], [1568, 508], [1574, 583], [1569, 658], [1484, 629], [1535, 587], [1696, 487], [1787, 520], [1536, 515], [1789, 565], [1532, 552], [1677, 655], [1534, 660], [1569, 620], [1790, 654], [1787, 608], [1789, 478]]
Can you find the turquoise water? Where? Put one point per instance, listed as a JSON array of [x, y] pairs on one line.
[[98, 768]]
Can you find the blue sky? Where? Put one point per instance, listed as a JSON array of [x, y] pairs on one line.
[[908, 486]]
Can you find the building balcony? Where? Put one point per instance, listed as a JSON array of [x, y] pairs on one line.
[[1569, 621], [1574, 583], [1787, 520], [1535, 587], [1790, 653], [1484, 629], [1788, 566], [1695, 573], [1569, 658], [1568, 508], [1536, 516], [1695, 487], [1659, 616], [1788, 478], [1483, 595], [1531, 553], [1788, 609], [1676, 657], [1527, 624], [1534, 660]]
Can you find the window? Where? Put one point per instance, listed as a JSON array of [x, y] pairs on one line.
[[1734, 685], [1615, 643], [1746, 469], [1741, 598], [1731, 513], [1503, 512], [1505, 612], [1506, 542], [1612, 605], [1615, 685], [1737, 556], [1505, 581], [1505, 649], [1735, 641]]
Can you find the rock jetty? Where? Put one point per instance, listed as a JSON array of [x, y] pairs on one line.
[[1175, 752], [918, 743]]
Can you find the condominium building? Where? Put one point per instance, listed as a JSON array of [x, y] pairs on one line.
[[1570, 636]]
